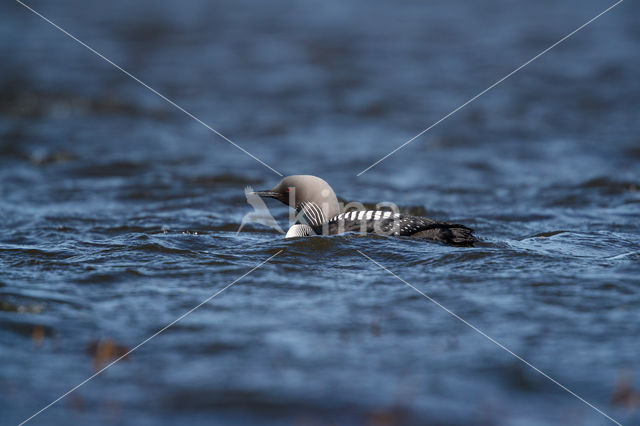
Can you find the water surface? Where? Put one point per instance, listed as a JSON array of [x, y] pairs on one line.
[[119, 213]]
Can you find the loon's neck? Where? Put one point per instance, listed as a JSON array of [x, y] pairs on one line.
[[311, 213]]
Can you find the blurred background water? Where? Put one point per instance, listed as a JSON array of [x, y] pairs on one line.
[[119, 212]]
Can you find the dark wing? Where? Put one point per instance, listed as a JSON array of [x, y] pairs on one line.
[[448, 233]]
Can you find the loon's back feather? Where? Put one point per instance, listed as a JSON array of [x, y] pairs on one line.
[[385, 223], [449, 233]]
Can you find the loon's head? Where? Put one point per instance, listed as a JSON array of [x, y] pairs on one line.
[[309, 194]]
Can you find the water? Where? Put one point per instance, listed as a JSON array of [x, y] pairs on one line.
[[119, 213]]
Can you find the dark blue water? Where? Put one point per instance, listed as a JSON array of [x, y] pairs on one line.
[[119, 213]]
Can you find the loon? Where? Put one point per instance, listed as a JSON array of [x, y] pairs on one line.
[[318, 209]]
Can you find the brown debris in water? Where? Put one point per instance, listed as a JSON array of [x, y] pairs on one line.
[[38, 335], [624, 394], [106, 350]]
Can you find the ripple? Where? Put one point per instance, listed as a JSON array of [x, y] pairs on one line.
[[598, 245], [610, 186], [117, 168], [98, 278]]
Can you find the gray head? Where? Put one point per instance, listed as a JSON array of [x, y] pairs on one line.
[[307, 194]]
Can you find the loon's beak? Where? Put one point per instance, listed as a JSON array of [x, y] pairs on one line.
[[268, 194]]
